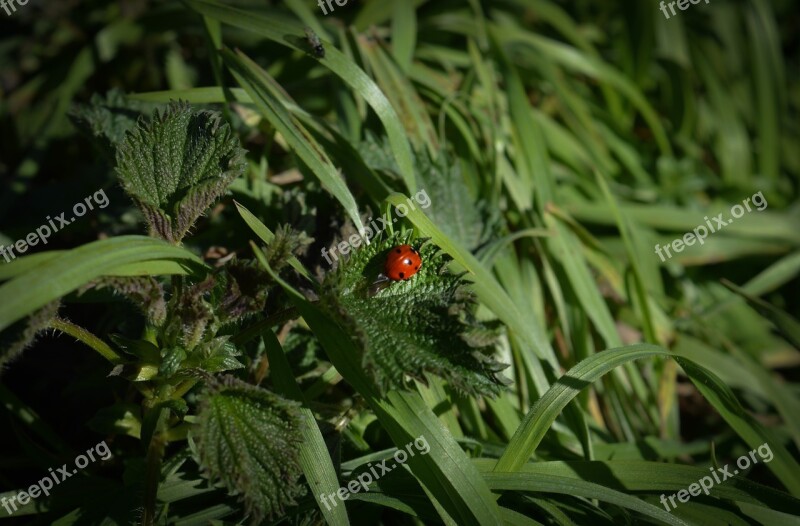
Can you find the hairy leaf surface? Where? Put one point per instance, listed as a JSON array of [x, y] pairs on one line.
[[176, 165], [421, 325], [249, 439]]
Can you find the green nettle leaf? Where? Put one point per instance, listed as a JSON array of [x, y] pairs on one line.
[[171, 360], [287, 243], [249, 438], [412, 327], [463, 218], [177, 165], [107, 119], [215, 356], [242, 286], [377, 154]]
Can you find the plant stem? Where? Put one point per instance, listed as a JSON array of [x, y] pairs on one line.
[[155, 452], [88, 338]]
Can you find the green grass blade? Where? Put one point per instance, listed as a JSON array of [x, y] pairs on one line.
[[59, 276], [784, 466], [314, 457], [257, 83], [544, 412]]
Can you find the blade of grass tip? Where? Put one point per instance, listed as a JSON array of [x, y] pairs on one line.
[[314, 456], [775, 276], [254, 80], [290, 34]]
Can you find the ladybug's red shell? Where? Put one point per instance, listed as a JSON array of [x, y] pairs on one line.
[[402, 263]]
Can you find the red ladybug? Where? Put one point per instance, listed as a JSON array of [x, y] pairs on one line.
[[402, 263]]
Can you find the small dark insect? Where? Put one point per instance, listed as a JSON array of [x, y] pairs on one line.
[[315, 43]]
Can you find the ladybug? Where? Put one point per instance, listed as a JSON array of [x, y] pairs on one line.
[[402, 263]]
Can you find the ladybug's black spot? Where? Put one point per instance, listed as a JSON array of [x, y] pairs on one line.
[[402, 275], [416, 268], [407, 262], [398, 251]]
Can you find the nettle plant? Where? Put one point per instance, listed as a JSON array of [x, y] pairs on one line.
[[199, 361]]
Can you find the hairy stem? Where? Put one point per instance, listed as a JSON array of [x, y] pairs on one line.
[[88, 338]]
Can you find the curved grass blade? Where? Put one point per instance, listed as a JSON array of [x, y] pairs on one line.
[[59, 276], [547, 408], [655, 477], [552, 403]]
